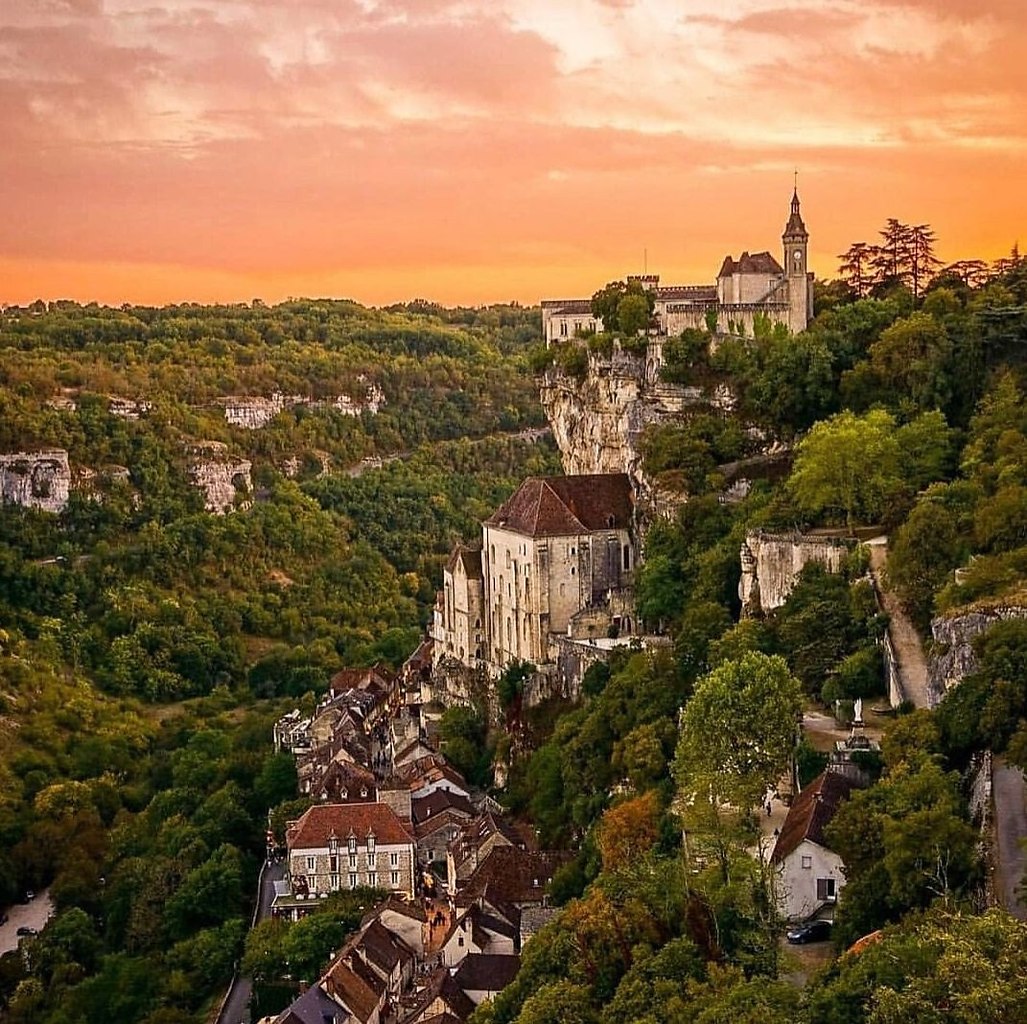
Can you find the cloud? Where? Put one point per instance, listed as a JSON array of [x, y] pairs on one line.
[[258, 138]]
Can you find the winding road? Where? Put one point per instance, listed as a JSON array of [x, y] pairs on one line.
[[236, 1007]]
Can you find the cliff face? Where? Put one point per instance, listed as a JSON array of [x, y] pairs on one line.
[[771, 562], [220, 476], [40, 479], [952, 656]]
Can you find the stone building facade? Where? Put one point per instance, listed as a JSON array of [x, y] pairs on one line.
[[557, 559], [753, 286], [343, 846]]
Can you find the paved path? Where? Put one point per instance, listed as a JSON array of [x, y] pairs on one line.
[[236, 1008], [28, 915], [1010, 797], [914, 680]]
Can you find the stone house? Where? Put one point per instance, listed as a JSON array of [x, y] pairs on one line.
[[478, 929], [343, 846], [557, 548], [514, 877], [810, 874], [476, 840], [437, 820]]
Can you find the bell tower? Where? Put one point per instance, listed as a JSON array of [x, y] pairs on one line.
[[800, 287]]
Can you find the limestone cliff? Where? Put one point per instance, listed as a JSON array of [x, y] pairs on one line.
[[772, 562], [598, 421], [220, 476], [39, 479], [952, 656]]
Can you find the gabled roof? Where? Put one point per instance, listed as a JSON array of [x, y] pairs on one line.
[[810, 813], [382, 948], [487, 972], [320, 822], [440, 985], [426, 807], [515, 876], [313, 1007], [750, 263], [353, 991], [469, 558], [561, 506]]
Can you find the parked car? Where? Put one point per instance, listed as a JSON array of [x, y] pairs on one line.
[[26, 930], [811, 931], [28, 897]]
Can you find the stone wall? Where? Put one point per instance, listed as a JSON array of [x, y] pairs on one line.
[[39, 479], [771, 562], [952, 656]]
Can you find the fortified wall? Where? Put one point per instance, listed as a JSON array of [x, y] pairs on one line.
[[771, 563]]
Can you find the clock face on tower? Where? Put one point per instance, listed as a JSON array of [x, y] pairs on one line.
[[797, 259]]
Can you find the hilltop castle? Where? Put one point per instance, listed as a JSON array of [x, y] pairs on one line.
[[754, 285]]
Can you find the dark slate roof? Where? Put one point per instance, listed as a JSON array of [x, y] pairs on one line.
[[515, 876], [358, 994], [750, 263], [560, 506], [425, 807], [382, 948], [469, 557], [440, 985], [487, 972], [313, 1007], [810, 813], [795, 225]]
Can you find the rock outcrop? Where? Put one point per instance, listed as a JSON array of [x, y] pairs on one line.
[[222, 477], [39, 479], [952, 656], [771, 562], [252, 413]]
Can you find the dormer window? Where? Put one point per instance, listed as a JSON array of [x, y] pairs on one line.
[[352, 845], [370, 846]]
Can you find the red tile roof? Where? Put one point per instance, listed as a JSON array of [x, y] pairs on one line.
[[560, 506], [317, 824], [810, 813]]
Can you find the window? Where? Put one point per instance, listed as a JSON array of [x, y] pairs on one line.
[[372, 879], [333, 863], [627, 557], [574, 551], [394, 859], [394, 878], [310, 863], [352, 861], [335, 882], [460, 940], [573, 570], [352, 879], [825, 889], [807, 862], [352, 845], [370, 846], [563, 328]]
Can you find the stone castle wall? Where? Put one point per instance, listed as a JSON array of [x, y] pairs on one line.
[[772, 562]]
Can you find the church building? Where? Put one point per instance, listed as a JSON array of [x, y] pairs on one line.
[[754, 285], [557, 558]]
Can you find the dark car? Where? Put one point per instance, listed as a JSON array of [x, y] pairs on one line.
[[811, 931], [26, 930]]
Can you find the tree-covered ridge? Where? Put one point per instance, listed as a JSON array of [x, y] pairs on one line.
[[443, 375], [141, 637]]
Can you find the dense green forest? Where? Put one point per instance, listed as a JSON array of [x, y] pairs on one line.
[[145, 643]]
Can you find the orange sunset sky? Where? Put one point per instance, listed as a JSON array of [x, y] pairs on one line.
[[484, 150]]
